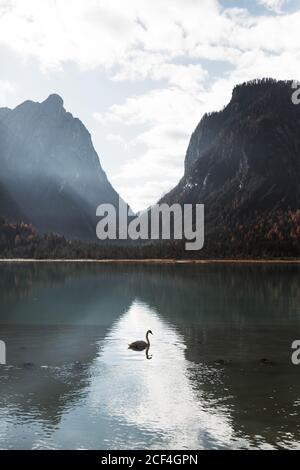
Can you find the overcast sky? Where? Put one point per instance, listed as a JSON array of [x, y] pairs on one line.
[[141, 73]]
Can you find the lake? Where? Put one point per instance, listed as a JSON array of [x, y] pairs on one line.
[[218, 373]]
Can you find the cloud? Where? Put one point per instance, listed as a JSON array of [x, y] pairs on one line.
[[96, 33], [141, 65], [6, 88], [275, 5], [167, 116], [143, 39], [89, 32]]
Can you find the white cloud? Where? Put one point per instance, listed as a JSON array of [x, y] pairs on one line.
[[169, 115], [6, 88], [141, 65], [99, 33], [89, 32], [141, 39], [275, 5]]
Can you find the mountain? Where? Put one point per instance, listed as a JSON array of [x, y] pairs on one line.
[[243, 163], [51, 175]]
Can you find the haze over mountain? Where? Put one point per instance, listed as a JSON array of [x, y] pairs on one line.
[[50, 175], [244, 161]]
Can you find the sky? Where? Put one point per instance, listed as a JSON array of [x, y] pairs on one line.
[[140, 74]]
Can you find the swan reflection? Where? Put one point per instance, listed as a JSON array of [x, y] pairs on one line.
[[148, 356]]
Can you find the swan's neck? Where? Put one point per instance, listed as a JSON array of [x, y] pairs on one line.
[[147, 338]]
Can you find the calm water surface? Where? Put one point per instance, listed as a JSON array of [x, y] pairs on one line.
[[218, 373]]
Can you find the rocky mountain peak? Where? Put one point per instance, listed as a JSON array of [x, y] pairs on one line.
[[51, 174], [245, 160], [54, 100]]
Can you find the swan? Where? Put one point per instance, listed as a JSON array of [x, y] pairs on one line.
[[141, 345]]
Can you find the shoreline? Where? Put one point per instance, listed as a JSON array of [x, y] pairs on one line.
[[155, 261]]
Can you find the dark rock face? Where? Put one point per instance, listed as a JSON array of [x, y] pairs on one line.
[[244, 161], [50, 174]]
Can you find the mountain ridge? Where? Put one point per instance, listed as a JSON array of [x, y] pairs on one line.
[[225, 138], [243, 163], [51, 174]]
